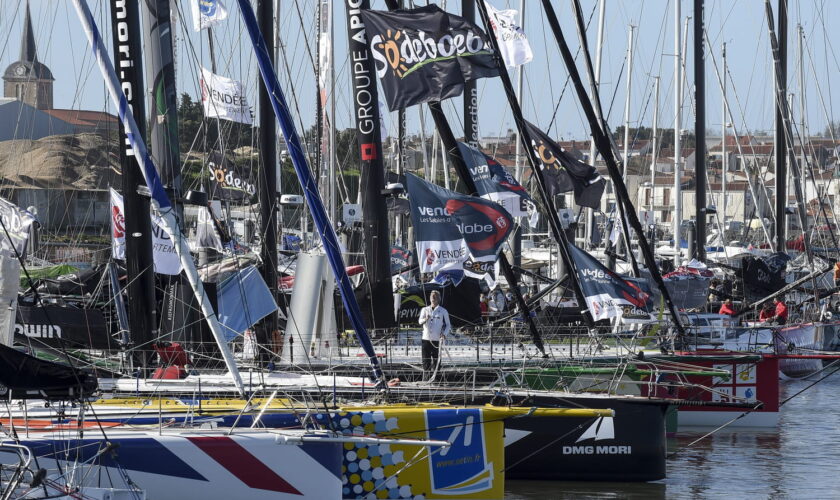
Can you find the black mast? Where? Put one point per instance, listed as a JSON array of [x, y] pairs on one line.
[[139, 263], [700, 131], [378, 305], [781, 145], [268, 179], [470, 90], [603, 144]]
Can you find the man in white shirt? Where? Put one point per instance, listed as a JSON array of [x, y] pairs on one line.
[[436, 326]]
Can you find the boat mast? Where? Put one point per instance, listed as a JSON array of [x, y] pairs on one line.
[[159, 199], [268, 181], [699, 133], [593, 84], [629, 88], [139, 262], [724, 163], [677, 132], [654, 141], [379, 301], [780, 88], [598, 126]]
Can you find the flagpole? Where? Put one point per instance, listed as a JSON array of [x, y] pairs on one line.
[[602, 140], [594, 83], [451, 145], [525, 140]]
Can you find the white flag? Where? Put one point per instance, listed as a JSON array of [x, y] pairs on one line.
[[513, 44], [224, 98], [163, 249], [207, 13]]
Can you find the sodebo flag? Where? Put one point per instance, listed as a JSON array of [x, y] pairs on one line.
[[425, 54], [163, 249], [207, 13], [224, 98], [455, 231]]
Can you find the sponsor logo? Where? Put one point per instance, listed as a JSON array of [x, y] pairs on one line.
[[601, 429], [403, 54], [547, 159], [208, 7], [229, 180], [368, 151], [500, 221], [119, 222], [38, 331]]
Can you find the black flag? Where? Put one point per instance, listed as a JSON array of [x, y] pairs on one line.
[[425, 54], [564, 173]]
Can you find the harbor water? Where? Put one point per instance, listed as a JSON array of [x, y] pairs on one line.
[[799, 459]]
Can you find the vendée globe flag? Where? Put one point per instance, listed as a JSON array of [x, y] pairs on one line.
[[455, 231], [607, 294], [494, 183], [14, 233], [224, 98], [207, 13], [564, 173], [425, 54], [166, 261]]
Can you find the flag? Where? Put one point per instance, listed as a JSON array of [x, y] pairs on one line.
[[163, 249], [243, 300], [207, 13], [563, 173], [228, 182], [224, 98], [455, 231], [513, 44], [425, 54], [607, 294], [494, 183], [14, 233], [206, 234]]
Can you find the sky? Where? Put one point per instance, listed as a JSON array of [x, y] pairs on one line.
[[740, 24]]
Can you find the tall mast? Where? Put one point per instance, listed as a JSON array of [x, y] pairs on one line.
[[470, 90], [724, 163], [779, 143], [379, 304], [593, 84], [520, 78], [677, 124], [654, 141], [799, 40], [139, 262], [160, 65], [700, 131], [268, 178], [629, 88]]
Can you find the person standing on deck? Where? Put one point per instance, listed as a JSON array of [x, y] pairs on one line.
[[837, 274], [781, 311], [727, 308], [436, 326]]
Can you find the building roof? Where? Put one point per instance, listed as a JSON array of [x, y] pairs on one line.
[[83, 118]]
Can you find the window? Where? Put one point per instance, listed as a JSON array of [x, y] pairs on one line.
[[666, 197]]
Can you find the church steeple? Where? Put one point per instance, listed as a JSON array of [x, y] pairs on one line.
[[27, 79], [28, 52]]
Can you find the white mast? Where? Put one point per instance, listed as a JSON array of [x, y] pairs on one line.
[[654, 141], [800, 38], [590, 213], [723, 159], [677, 123], [627, 99], [520, 76]]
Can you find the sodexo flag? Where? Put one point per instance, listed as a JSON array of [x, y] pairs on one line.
[[224, 98], [207, 13], [425, 54], [494, 183], [163, 249], [455, 231], [513, 44], [607, 294]]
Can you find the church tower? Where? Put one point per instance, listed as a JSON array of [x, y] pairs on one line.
[[28, 80]]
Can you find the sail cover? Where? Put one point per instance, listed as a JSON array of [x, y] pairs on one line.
[[494, 183], [32, 378], [564, 173], [455, 231], [425, 54], [607, 294]]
